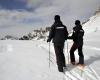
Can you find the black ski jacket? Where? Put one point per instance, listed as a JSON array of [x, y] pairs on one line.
[[58, 32], [78, 34]]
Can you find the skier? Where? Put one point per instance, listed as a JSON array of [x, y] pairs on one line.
[[77, 37], [59, 34]]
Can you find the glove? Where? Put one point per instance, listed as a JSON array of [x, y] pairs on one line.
[[69, 37], [48, 40]]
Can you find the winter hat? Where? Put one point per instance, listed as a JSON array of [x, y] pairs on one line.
[[77, 22], [57, 17]]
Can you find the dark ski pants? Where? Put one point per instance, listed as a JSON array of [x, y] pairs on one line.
[[60, 58], [80, 53]]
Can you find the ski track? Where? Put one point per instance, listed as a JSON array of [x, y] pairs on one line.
[[72, 74], [21, 65], [10, 48], [52, 56]]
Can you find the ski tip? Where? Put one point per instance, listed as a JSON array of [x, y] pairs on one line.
[[81, 66]]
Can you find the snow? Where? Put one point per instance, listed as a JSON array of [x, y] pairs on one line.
[[25, 60], [29, 60], [92, 42]]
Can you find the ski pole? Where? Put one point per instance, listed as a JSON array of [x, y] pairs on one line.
[[49, 54], [67, 52]]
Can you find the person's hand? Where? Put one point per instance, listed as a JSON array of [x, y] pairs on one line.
[[48, 40]]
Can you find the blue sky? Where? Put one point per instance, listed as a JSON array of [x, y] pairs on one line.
[[12, 4], [26, 15]]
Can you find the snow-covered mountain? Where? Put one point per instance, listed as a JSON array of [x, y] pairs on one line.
[[9, 37], [38, 34]]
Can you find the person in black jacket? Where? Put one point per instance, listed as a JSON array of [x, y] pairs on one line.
[[77, 37], [59, 34]]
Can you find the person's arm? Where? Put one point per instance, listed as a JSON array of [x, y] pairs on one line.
[[81, 34], [74, 34], [51, 34], [66, 33], [71, 36]]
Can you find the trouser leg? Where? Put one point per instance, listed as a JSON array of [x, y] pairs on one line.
[[81, 56], [60, 58], [72, 50]]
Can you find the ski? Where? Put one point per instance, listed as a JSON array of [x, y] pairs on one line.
[[81, 73], [87, 73], [69, 76], [96, 75]]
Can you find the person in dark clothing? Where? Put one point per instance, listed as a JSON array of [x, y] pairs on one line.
[[77, 37], [59, 34]]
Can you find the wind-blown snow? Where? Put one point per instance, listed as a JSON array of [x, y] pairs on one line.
[[28, 60]]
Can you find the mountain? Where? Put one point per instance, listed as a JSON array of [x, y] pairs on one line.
[[38, 34], [9, 37]]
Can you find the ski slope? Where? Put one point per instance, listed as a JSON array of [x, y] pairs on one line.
[[92, 42], [25, 60], [28, 60]]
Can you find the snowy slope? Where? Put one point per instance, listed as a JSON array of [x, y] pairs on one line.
[[92, 42], [91, 48], [93, 24], [25, 60]]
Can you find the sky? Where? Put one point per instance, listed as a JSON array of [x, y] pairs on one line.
[[19, 17]]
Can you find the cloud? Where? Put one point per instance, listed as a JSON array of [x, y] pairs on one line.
[[41, 13], [18, 22], [77, 9]]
